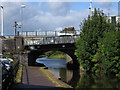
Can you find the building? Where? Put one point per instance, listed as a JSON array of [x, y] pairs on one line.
[[115, 19]]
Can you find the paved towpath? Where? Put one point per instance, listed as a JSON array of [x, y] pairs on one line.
[[32, 77]]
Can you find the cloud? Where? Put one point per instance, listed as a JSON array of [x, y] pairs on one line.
[[11, 15], [58, 8], [102, 4], [35, 18], [111, 12], [50, 22]]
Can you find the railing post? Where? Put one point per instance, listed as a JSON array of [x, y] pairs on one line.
[[18, 33], [55, 33], [46, 33], [36, 33], [26, 34]]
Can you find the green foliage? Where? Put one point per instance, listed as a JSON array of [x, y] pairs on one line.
[[69, 29], [57, 55], [98, 47], [110, 47]]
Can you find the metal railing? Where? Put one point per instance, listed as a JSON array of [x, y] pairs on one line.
[[47, 33], [8, 77]]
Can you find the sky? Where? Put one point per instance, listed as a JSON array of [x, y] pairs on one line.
[[51, 15]]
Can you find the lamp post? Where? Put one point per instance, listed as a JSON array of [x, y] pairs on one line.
[[16, 26], [90, 8], [22, 6], [2, 20]]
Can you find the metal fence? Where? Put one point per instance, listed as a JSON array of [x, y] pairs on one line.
[[8, 77], [47, 33]]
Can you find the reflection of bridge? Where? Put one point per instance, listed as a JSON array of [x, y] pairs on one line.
[[37, 43]]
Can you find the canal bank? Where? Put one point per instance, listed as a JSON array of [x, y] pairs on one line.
[[54, 78], [36, 77], [78, 79]]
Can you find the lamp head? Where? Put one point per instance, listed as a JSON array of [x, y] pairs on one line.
[[1, 6], [23, 6]]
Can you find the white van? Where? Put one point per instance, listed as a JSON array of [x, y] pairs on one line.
[[66, 33]]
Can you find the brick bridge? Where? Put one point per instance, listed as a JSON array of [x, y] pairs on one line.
[[31, 46]]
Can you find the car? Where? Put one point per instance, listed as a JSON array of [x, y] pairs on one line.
[[3, 58], [67, 33], [2, 38], [6, 64], [4, 71]]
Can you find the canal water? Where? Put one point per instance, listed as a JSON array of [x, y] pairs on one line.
[[77, 80]]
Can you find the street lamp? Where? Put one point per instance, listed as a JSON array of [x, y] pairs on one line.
[[90, 8], [16, 26], [22, 6], [1, 20]]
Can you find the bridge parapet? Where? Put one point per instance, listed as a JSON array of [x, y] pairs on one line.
[[50, 40], [47, 33]]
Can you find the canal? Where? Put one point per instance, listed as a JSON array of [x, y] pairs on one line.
[[77, 80]]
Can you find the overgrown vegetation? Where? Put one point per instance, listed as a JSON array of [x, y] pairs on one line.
[[54, 55], [19, 74], [57, 55], [98, 48], [69, 29]]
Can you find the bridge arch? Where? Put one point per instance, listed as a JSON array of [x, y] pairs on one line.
[[68, 49]]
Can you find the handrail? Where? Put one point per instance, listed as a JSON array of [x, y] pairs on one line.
[[47, 33]]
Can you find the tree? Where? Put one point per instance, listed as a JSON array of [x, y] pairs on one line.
[[69, 29], [109, 46], [87, 51]]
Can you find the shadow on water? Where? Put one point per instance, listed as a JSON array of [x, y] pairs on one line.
[[75, 78], [92, 81]]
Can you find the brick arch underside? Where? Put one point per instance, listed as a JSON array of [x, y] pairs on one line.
[[33, 55]]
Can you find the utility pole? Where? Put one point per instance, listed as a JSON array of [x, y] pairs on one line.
[[2, 21], [90, 8], [21, 12]]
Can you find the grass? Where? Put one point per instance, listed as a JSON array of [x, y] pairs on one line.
[[59, 56], [54, 78], [19, 75]]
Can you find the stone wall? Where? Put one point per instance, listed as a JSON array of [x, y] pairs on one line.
[[14, 44], [68, 58], [23, 58], [8, 45]]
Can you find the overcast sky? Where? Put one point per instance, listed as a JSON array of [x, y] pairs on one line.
[[45, 16]]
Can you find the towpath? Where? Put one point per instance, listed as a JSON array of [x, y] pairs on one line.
[[33, 78]]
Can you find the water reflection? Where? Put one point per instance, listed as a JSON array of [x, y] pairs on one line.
[[92, 81], [73, 77]]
